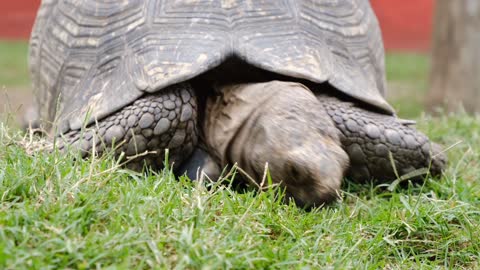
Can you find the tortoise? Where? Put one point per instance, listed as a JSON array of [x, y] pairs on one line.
[[295, 84]]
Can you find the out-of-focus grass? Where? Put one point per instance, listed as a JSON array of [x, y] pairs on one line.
[[411, 68], [15, 86], [13, 64], [407, 75]]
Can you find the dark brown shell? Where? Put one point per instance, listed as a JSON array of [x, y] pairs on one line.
[[89, 58]]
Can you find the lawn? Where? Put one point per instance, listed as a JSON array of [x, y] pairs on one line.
[[60, 211], [13, 64], [407, 75]]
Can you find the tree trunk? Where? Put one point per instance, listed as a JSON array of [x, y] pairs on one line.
[[455, 75]]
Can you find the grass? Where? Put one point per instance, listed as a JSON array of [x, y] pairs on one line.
[[15, 84], [407, 67], [407, 76], [13, 64], [65, 212], [60, 211]]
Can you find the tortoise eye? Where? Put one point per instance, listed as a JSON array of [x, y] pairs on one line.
[[294, 172]]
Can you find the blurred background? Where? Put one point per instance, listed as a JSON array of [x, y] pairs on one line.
[[407, 28]]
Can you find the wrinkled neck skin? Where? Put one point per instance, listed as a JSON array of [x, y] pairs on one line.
[[231, 72]]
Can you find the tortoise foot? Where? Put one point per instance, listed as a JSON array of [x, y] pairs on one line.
[[199, 164], [375, 142], [144, 129]]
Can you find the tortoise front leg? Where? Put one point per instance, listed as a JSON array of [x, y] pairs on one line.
[[153, 123], [372, 139]]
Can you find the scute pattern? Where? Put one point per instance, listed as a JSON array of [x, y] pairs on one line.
[[99, 56], [152, 123], [372, 139]]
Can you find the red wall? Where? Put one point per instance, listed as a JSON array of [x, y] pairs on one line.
[[406, 25], [16, 18]]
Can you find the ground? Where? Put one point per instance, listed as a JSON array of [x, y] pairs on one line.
[[59, 211]]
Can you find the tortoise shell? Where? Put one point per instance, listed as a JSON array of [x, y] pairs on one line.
[[89, 58]]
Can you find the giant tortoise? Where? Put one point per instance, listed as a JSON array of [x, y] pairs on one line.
[[295, 84]]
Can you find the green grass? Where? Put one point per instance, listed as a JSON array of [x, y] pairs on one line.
[[60, 211], [407, 75], [407, 67], [63, 212], [13, 64]]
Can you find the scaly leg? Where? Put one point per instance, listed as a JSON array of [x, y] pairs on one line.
[[369, 138], [166, 119]]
